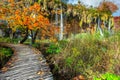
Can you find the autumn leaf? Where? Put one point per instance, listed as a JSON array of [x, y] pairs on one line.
[[30, 27], [10, 0], [4, 69], [40, 72], [35, 24]]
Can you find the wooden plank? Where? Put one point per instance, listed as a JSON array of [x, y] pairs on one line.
[[27, 66]]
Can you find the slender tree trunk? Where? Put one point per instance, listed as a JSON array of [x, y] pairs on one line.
[[99, 26], [34, 35], [61, 25], [25, 38], [109, 25], [45, 4], [56, 18]]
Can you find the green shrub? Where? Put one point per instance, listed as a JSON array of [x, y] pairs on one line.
[[5, 54], [53, 49], [63, 43], [82, 54], [107, 76], [6, 51]]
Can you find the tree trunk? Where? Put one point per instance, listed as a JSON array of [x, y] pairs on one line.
[[25, 38], [61, 25], [56, 18], [34, 35], [109, 25], [99, 26], [45, 4]]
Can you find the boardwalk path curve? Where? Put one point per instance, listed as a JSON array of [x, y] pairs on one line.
[[27, 63]]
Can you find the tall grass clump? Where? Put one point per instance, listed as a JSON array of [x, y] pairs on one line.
[[88, 55]]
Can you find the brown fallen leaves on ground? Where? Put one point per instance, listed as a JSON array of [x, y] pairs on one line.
[[40, 72], [79, 77]]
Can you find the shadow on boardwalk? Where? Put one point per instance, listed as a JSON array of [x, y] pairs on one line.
[[27, 63]]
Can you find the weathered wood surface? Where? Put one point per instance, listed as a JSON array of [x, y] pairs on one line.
[[26, 64]]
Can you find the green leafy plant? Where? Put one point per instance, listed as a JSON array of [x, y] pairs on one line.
[[6, 51], [69, 61], [107, 76], [5, 54], [63, 43], [53, 48]]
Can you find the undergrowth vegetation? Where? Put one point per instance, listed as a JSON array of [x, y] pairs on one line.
[[87, 55], [9, 40], [5, 54]]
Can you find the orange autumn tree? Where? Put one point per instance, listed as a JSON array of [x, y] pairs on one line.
[[29, 17]]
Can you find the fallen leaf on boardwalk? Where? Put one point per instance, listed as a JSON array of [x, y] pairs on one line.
[[40, 73], [13, 59], [41, 79], [4, 69], [9, 63], [12, 65], [47, 64], [40, 58]]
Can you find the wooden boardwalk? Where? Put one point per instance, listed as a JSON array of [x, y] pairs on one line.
[[27, 63]]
